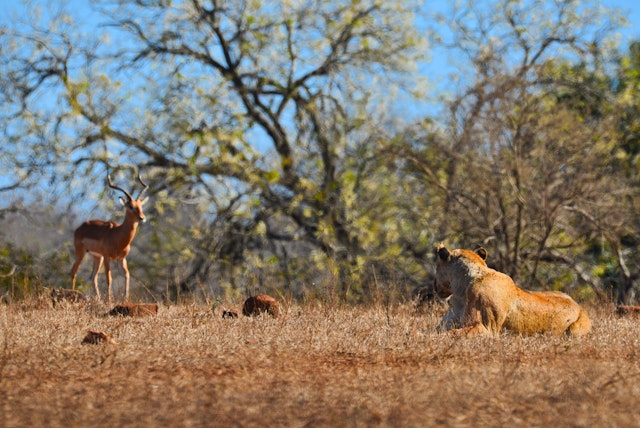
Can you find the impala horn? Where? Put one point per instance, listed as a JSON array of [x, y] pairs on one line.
[[113, 186], [146, 186]]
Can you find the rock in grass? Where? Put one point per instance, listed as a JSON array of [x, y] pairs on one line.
[[259, 304], [59, 295], [626, 310], [94, 337], [229, 313], [134, 310]]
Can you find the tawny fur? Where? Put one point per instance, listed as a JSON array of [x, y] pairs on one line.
[[485, 301]]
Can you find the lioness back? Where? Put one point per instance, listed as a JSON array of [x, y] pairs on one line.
[[546, 312]]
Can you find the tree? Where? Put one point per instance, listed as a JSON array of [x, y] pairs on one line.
[[523, 162], [251, 111]]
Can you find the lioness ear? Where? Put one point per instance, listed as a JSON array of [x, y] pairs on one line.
[[443, 253], [482, 253]]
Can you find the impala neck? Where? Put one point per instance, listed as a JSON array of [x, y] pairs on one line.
[[128, 227]]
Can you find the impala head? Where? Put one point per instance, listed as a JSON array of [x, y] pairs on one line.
[[133, 206]]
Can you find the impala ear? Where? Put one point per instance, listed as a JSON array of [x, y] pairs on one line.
[[482, 253], [123, 201], [143, 200]]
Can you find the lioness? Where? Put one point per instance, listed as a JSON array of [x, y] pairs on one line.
[[485, 301]]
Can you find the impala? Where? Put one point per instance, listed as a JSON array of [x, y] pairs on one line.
[[107, 241]]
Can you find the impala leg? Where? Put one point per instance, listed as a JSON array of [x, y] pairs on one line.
[[74, 269], [97, 262], [125, 268], [107, 272]]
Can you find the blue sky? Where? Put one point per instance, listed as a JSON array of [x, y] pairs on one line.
[[435, 69], [628, 8]]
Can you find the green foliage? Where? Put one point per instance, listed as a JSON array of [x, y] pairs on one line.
[[528, 168], [23, 274], [277, 156]]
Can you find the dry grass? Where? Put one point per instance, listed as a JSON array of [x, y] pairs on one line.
[[313, 366]]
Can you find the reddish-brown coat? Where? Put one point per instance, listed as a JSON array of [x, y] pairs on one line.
[[106, 241]]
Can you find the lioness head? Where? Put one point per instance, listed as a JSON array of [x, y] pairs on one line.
[[452, 264]]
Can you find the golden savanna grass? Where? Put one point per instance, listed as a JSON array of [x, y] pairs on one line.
[[315, 365]]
